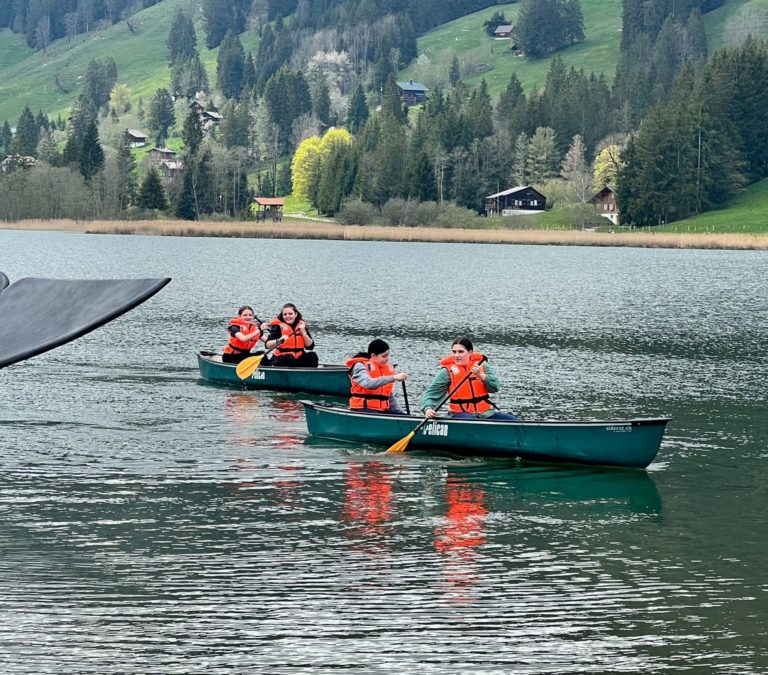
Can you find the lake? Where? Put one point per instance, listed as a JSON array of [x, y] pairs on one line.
[[150, 522]]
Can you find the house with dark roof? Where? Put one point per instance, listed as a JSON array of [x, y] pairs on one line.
[[412, 92], [517, 201], [138, 139]]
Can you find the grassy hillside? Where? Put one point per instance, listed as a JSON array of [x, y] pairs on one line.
[[485, 57], [27, 77], [746, 213], [465, 38]]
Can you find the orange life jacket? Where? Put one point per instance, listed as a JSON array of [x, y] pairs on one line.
[[371, 399], [471, 396], [236, 345], [294, 345]]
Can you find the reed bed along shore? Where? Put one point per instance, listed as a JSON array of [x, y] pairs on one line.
[[315, 230]]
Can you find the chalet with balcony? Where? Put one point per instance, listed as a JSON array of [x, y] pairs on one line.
[[137, 138], [412, 93], [517, 201], [504, 31], [158, 155], [605, 204]]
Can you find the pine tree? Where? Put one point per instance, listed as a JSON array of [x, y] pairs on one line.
[[480, 112], [321, 102], [27, 134], [126, 165], [81, 116], [219, 17], [185, 206], [520, 170], [357, 112], [423, 185], [543, 158], [182, 39], [390, 102], [192, 134], [454, 74], [161, 116], [47, 149], [283, 183], [152, 195], [230, 65], [91, 153], [6, 139]]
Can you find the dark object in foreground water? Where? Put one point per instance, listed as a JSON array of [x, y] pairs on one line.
[[40, 314]]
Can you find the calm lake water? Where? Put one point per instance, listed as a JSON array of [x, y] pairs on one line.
[[149, 522]]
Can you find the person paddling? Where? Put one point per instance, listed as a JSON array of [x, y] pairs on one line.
[[245, 332], [373, 380], [472, 398], [291, 339]]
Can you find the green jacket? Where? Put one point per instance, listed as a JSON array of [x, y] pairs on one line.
[[440, 387]]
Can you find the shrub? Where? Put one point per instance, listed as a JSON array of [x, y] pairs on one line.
[[357, 212], [425, 214], [395, 212], [455, 216]]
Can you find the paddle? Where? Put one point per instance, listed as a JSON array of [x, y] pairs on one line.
[[405, 398], [248, 367], [402, 444]]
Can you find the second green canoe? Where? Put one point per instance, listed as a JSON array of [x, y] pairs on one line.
[[331, 380]]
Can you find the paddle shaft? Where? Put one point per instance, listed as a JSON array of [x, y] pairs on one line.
[[405, 398], [442, 402]]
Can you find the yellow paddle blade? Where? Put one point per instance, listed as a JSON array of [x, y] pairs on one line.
[[248, 366], [402, 444]]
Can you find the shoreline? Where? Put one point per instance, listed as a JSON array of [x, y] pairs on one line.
[[297, 229]]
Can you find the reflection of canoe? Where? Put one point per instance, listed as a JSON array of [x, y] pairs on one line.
[[325, 379], [628, 443]]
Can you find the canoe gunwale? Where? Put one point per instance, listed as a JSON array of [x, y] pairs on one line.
[[334, 367], [638, 421]]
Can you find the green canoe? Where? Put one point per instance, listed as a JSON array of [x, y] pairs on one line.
[[325, 379], [626, 443]]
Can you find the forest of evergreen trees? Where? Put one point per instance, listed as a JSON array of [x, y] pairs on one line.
[[677, 133]]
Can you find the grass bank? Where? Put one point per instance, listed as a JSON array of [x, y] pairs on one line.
[[313, 230]]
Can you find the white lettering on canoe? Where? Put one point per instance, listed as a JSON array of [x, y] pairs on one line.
[[619, 428], [435, 429], [258, 375]]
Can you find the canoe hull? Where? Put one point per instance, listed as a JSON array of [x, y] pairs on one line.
[[331, 380], [626, 443]]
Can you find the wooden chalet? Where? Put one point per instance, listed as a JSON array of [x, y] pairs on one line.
[[197, 107], [517, 201], [170, 172], [412, 92], [138, 139], [157, 155], [212, 116], [268, 208], [504, 31], [605, 204]]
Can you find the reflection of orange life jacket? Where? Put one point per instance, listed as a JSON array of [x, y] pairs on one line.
[[372, 399], [237, 346], [471, 396], [294, 345]]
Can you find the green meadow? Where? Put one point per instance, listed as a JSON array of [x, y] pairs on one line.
[[29, 78], [747, 213]]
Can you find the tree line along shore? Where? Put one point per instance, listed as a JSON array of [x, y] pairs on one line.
[[313, 230]]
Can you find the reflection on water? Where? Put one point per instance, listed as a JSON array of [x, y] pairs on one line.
[[149, 523], [366, 509], [459, 535]]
